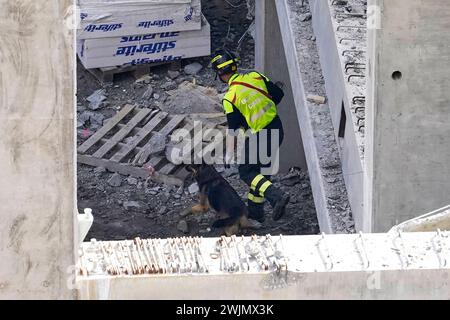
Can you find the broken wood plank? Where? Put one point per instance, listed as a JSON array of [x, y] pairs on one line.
[[106, 74], [120, 145], [154, 162], [196, 144], [100, 76], [105, 129], [128, 170], [167, 169], [181, 139], [119, 136], [173, 123], [146, 130], [142, 156], [186, 146], [205, 115]]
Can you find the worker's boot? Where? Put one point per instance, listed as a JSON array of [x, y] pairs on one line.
[[278, 200], [256, 211]]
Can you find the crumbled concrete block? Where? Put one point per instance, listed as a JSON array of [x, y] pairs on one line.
[[193, 188], [93, 117], [193, 68], [180, 190], [170, 85], [156, 145], [173, 74], [96, 99], [99, 170], [115, 180], [131, 204], [183, 226], [316, 99], [144, 79], [132, 181], [148, 93]]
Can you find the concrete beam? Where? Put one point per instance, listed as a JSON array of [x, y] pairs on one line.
[[369, 266], [402, 285], [340, 94], [408, 134], [37, 167]]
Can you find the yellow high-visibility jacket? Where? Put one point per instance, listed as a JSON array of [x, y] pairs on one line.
[[249, 94]]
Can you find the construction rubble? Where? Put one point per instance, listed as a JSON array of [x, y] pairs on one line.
[[126, 204]]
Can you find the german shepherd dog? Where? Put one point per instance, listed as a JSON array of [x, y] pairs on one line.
[[216, 192]]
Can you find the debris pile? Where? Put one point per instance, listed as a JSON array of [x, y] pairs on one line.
[[130, 206]]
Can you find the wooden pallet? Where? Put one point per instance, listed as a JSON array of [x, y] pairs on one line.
[[106, 75], [108, 148]]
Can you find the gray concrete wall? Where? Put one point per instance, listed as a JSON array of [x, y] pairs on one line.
[[271, 60], [408, 129], [337, 94], [37, 170]]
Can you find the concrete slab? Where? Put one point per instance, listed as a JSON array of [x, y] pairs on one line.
[[369, 266]]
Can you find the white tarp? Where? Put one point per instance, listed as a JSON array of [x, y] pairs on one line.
[[145, 49], [119, 18]]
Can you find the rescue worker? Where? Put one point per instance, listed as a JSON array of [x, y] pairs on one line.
[[250, 103]]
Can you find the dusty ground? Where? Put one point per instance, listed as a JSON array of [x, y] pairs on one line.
[[144, 209]]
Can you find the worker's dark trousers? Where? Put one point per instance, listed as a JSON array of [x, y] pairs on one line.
[[250, 170]]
